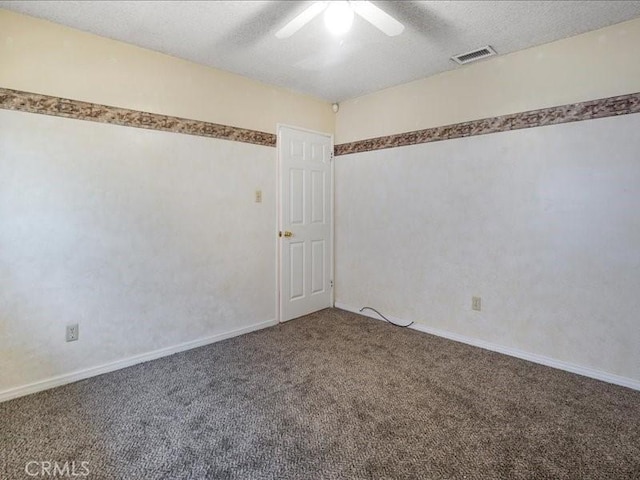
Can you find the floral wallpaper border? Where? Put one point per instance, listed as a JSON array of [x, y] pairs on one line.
[[64, 107], [575, 112]]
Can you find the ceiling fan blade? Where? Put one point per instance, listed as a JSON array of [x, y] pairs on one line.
[[377, 17], [301, 20]]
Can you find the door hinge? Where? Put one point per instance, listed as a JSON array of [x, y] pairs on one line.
[[331, 157], [331, 283]]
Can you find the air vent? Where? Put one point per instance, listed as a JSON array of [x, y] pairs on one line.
[[478, 54]]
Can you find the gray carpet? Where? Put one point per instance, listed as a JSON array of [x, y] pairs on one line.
[[331, 395]]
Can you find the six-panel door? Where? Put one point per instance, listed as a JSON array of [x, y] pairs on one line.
[[305, 193]]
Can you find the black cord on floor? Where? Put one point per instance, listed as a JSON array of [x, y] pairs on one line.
[[392, 323]]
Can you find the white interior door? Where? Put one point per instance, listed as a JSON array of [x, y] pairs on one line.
[[306, 222]]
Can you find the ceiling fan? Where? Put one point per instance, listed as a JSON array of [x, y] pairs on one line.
[[338, 17]]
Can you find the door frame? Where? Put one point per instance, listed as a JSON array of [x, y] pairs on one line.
[[279, 127]]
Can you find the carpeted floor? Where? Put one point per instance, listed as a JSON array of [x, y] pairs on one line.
[[330, 396]]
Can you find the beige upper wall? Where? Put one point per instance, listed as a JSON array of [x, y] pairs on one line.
[[47, 58], [43, 57], [596, 64]]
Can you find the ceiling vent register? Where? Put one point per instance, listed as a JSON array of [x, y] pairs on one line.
[[474, 55]]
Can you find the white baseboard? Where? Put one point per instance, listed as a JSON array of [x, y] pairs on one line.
[[513, 352], [125, 362]]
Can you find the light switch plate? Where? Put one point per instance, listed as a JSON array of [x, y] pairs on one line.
[[476, 303]]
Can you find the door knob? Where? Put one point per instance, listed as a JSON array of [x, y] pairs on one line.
[[286, 233]]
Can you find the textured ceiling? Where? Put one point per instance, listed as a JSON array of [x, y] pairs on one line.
[[239, 36]]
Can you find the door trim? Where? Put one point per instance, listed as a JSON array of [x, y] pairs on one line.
[[279, 127]]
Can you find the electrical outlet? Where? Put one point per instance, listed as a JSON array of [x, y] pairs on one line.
[[476, 303], [72, 332], [258, 196]]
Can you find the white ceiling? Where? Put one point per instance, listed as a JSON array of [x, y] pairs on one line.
[[238, 36]]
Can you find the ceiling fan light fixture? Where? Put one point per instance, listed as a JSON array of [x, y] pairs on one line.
[[338, 17]]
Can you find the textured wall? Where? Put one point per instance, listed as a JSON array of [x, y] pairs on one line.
[[542, 223], [597, 64], [147, 239]]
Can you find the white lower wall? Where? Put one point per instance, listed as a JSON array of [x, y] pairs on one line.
[[149, 240], [542, 223]]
